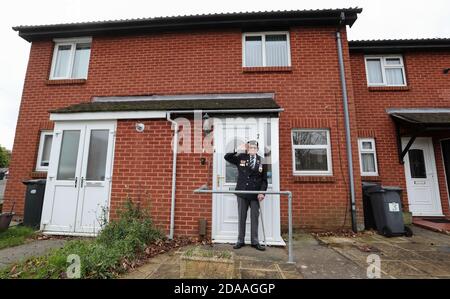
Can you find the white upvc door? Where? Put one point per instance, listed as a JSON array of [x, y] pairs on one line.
[[421, 178], [229, 133], [79, 178]]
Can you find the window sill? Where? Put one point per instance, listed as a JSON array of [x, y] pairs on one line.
[[39, 174], [388, 88], [267, 69], [65, 81], [370, 178], [313, 179]]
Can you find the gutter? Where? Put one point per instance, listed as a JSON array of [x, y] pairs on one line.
[[175, 151], [348, 139]]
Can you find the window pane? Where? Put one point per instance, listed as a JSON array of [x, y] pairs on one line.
[[417, 164], [393, 61], [276, 50], [368, 162], [62, 61], [394, 76], [253, 51], [374, 71], [98, 149], [68, 155], [81, 61], [268, 151], [311, 159], [45, 158], [367, 145], [310, 137]]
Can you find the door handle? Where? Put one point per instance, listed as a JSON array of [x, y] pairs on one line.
[[82, 180], [76, 180], [218, 179]]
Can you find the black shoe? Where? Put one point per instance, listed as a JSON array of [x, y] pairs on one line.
[[259, 247], [238, 245]]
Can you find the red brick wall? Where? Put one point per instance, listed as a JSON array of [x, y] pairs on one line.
[[427, 87], [197, 62]]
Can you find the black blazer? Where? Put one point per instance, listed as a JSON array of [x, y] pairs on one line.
[[248, 178]]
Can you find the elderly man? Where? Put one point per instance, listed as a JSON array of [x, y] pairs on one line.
[[252, 176]]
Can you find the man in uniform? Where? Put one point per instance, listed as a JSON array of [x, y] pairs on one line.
[[252, 176]]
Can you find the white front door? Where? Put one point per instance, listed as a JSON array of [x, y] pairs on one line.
[[79, 178], [229, 133], [421, 178]]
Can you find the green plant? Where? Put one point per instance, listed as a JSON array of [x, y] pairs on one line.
[[120, 241], [15, 236], [5, 156]]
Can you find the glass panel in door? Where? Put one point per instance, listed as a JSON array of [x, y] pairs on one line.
[[417, 164], [68, 155], [98, 150]]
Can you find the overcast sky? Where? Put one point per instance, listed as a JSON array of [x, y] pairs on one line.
[[380, 19]]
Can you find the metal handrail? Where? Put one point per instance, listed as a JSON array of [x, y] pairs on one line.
[[204, 189]]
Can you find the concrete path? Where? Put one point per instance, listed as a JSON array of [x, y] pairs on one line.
[[425, 255], [15, 254]]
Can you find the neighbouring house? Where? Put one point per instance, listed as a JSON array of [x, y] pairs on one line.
[[102, 102]]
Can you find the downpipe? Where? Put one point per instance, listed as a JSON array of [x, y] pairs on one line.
[[174, 176], [347, 126]]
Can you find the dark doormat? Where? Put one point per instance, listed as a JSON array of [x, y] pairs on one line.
[[437, 220]]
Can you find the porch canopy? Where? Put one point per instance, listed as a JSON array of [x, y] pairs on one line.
[[157, 106], [413, 122]]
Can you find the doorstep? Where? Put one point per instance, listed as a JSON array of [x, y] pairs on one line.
[[425, 222]]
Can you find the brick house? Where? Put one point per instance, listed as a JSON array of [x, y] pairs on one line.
[[103, 101]]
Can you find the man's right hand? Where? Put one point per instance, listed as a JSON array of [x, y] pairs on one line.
[[243, 147]]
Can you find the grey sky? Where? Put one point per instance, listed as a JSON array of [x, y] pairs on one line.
[[380, 19]]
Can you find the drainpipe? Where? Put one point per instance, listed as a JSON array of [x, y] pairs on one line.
[[174, 175], [347, 124]]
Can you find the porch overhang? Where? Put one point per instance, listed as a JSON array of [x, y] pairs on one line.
[[157, 106], [413, 122]]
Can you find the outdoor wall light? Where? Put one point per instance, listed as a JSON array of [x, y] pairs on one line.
[[207, 124], [446, 70], [140, 127]]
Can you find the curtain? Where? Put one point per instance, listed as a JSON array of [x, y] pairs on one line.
[[253, 51], [276, 50], [374, 71], [394, 76], [62, 61], [368, 162], [81, 61]]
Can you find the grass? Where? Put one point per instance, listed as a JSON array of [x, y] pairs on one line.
[[199, 252], [14, 236], [119, 244]]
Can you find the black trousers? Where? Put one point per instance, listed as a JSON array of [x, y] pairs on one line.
[[243, 205]]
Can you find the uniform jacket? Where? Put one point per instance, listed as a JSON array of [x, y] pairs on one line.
[[248, 178]]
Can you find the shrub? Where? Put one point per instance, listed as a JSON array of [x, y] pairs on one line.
[[119, 240]]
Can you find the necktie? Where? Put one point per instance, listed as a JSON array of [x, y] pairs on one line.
[[252, 161]]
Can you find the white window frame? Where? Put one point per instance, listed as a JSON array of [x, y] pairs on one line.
[[68, 42], [40, 149], [367, 151], [328, 172], [263, 41], [384, 66]]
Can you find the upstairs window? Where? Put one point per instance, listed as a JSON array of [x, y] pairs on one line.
[[71, 58], [266, 49], [385, 71]]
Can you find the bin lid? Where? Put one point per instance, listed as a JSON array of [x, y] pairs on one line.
[[392, 188], [35, 182]]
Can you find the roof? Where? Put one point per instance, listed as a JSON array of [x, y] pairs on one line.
[[247, 101], [421, 116], [247, 20], [399, 45]]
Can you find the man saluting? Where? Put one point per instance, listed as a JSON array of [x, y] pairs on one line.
[[252, 176]]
